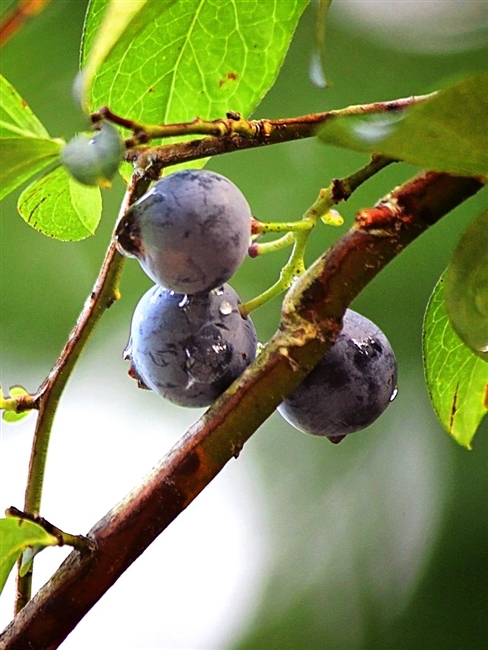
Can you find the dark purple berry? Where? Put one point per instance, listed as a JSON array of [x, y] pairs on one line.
[[190, 348], [350, 387], [190, 232]]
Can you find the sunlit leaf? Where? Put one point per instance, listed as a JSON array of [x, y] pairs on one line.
[[179, 60], [22, 158], [114, 20], [9, 130], [60, 207], [17, 535], [9, 415], [446, 133], [457, 379], [466, 286], [25, 146], [15, 111], [18, 391]]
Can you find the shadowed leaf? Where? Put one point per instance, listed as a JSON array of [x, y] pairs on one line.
[[60, 207], [466, 286], [457, 379], [446, 133]]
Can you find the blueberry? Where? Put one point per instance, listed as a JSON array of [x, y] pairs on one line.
[[93, 159], [190, 232], [350, 387], [189, 348]]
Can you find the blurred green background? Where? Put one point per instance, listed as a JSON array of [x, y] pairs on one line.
[[382, 541]]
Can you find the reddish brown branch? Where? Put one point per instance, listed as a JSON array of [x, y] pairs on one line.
[[312, 315], [233, 133], [16, 17]]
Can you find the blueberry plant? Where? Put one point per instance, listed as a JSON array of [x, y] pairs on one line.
[[328, 370]]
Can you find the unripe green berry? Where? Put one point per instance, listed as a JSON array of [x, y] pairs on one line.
[[93, 159]]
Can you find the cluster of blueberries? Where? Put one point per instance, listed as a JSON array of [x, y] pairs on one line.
[[189, 341], [190, 233]]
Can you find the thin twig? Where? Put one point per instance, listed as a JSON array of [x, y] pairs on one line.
[[234, 124], [104, 293], [229, 134], [83, 544]]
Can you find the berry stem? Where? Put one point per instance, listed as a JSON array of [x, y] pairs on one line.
[[272, 246], [265, 227], [299, 231], [47, 398], [292, 269]]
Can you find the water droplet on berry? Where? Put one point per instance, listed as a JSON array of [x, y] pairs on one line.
[[184, 302], [208, 356], [225, 308]]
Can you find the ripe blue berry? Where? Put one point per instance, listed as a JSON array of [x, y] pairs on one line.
[[350, 387], [93, 158], [190, 232], [190, 348]]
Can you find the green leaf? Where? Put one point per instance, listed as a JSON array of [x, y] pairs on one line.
[[16, 536], [22, 157], [60, 207], [11, 416], [15, 111], [8, 414], [446, 133], [113, 22], [25, 146], [8, 130], [178, 60], [457, 379], [466, 286]]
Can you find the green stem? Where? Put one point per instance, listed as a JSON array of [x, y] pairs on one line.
[[342, 189], [272, 246], [292, 269], [339, 190], [104, 293], [266, 227], [273, 291]]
